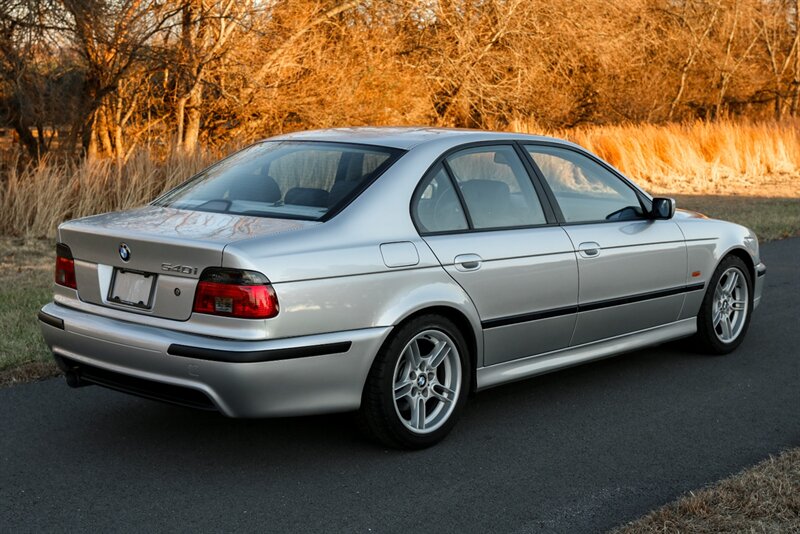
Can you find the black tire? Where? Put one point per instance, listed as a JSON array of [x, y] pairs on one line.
[[378, 417], [707, 336]]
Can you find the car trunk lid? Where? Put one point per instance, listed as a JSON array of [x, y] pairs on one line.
[[148, 260]]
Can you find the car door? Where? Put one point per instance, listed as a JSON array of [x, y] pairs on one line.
[[632, 269], [482, 216]]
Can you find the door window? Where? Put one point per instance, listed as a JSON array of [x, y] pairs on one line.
[[495, 187], [585, 190]]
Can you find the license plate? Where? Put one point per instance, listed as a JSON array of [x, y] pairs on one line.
[[132, 288]]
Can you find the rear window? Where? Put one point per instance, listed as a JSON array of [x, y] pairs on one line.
[[284, 179]]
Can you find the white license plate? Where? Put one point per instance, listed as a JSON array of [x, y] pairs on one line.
[[132, 289]]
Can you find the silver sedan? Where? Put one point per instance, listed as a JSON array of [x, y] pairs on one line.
[[391, 271]]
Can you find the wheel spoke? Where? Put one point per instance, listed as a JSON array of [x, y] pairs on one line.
[[726, 327], [717, 317], [738, 305], [412, 355], [718, 293], [444, 394], [403, 389], [439, 353], [418, 413], [730, 283]]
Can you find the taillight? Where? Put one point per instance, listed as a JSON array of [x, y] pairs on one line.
[[234, 293], [65, 267]]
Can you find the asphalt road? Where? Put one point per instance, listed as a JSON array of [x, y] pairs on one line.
[[580, 450]]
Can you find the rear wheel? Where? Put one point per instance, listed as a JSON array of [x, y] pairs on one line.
[[417, 385], [725, 313]]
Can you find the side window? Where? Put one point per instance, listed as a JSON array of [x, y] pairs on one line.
[[436, 207], [496, 188], [584, 189]]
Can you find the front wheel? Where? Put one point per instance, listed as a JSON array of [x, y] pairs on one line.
[[418, 384], [725, 313]]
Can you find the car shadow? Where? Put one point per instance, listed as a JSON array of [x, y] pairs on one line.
[[495, 414]]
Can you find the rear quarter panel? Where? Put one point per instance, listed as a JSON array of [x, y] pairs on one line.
[[334, 277]]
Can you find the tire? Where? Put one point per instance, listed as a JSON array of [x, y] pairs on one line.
[[410, 405], [726, 309]]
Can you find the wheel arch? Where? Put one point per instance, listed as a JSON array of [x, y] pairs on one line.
[[743, 255]]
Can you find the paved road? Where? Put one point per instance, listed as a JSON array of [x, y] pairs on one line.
[[580, 450]]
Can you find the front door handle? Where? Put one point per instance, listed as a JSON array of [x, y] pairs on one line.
[[590, 249], [467, 262]]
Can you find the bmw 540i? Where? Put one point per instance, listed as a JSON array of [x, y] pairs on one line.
[[392, 271]]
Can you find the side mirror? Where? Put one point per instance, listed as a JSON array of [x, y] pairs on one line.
[[663, 208]]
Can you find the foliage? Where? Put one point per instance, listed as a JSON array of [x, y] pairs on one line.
[[107, 78]]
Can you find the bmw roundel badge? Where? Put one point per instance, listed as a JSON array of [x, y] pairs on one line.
[[124, 252]]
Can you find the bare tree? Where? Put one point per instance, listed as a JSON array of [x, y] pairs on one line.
[[110, 37], [781, 45]]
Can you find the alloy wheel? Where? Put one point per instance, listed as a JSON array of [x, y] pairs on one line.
[[730, 307], [427, 381]]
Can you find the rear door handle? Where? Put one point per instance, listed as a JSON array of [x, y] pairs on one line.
[[590, 249], [467, 262]]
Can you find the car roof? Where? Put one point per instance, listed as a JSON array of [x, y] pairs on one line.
[[406, 138]]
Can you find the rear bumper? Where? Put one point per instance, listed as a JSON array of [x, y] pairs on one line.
[[291, 376]]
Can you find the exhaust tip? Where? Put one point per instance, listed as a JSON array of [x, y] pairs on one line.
[[74, 380]]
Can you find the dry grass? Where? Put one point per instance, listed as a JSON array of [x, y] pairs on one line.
[[765, 498], [698, 158], [29, 372], [728, 158], [722, 158], [34, 199]]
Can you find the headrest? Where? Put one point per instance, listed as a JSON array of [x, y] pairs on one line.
[[307, 196]]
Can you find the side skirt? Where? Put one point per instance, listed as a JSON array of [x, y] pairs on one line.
[[494, 375]]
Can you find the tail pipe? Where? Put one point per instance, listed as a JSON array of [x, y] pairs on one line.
[[74, 379]]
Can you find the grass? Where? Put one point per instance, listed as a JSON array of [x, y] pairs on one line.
[[26, 274], [764, 498], [769, 218]]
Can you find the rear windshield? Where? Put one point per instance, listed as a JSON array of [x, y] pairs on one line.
[[284, 179]]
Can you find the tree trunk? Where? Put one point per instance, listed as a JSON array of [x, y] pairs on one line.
[[88, 139], [22, 127], [796, 77], [192, 130], [101, 126], [26, 138], [119, 142], [180, 113]]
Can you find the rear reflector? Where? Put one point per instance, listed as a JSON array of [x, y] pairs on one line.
[[233, 294], [65, 267]]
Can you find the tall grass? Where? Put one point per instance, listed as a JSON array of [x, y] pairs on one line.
[[742, 158], [751, 159], [35, 198]]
